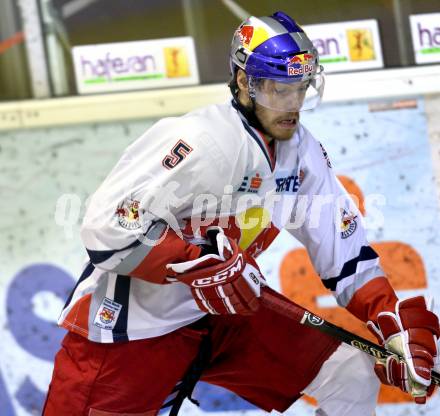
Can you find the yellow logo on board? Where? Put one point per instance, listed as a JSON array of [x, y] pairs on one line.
[[361, 45], [176, 62]]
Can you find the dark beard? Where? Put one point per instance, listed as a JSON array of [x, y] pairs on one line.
[[249, 114]]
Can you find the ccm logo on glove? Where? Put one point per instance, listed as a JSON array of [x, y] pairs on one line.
[[225, 283], [222, 276]]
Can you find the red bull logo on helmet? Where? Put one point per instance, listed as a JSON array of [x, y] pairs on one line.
[[301, 64], [246, 33]]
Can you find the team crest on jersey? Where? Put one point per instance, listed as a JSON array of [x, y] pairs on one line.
[[348, 223], [107, 314], [128, 214], [252, 185]]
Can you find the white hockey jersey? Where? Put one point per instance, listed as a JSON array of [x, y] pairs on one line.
[[185, 173]]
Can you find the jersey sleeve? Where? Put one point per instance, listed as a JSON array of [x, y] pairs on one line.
[[328, 223], [133, 221]]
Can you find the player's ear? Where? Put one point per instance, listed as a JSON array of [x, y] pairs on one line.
[[242, 81], [243, 87]]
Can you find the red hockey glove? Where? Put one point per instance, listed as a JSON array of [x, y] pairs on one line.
[[412, 332], [225, 283]]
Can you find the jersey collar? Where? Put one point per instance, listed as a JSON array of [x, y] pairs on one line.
[[257, 136]]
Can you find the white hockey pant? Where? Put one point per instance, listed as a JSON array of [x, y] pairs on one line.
[[346, 384]]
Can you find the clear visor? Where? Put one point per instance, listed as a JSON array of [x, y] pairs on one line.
[[288, 95]]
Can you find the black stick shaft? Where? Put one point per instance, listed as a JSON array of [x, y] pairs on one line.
[[314, 321]]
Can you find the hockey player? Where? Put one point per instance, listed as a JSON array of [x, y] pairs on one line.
[[171, 293]]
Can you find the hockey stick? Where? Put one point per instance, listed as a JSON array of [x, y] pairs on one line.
[[314, 321]]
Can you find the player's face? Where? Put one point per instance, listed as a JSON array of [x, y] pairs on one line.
[[279, 125]]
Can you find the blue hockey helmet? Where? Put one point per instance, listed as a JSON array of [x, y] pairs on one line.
[[280, 61]]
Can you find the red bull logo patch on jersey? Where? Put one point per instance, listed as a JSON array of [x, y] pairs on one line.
[[348, 223], [301, 64], [107, 314], [128, 214]]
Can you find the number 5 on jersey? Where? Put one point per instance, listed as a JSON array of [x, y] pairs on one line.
[[178, 153]]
